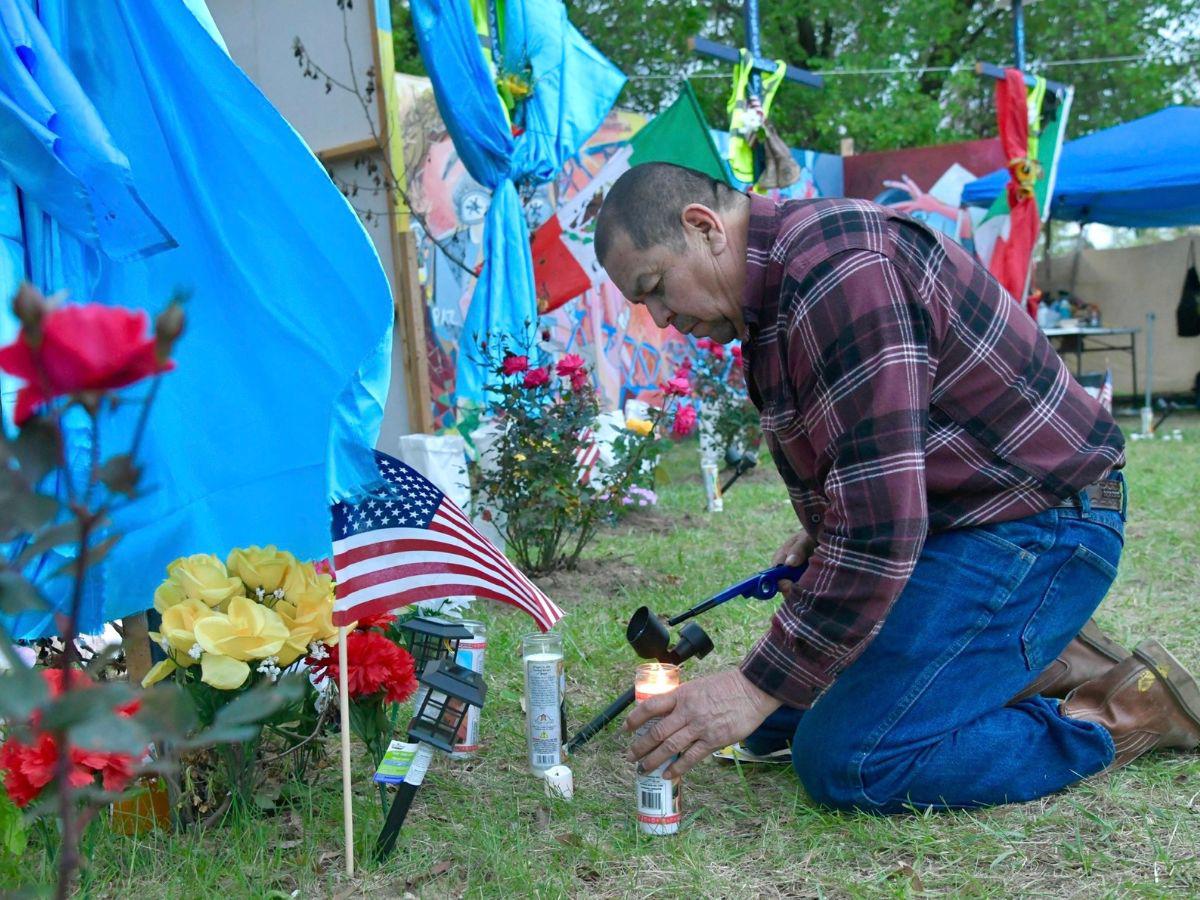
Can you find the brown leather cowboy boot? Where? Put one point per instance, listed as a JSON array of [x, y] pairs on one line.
[[1148, 702], [1088, 656]]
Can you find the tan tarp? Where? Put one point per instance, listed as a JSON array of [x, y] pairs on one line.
[[1126, 284]]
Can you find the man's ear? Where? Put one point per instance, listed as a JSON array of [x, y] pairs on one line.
[[707, 224]]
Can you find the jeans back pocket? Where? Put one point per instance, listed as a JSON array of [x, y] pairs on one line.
[[1072, 595]]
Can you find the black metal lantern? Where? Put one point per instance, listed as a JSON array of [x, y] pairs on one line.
[[431, 639], [448, 691]]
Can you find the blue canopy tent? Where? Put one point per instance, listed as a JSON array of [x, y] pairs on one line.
[[1142, 174]]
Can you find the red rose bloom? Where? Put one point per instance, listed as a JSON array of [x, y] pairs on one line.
[[579, 380], [88, 347], [685, 421], [569, 365], [736, 352], [704, 344], [679, 386], [536, 377], [513, 364], [716, 349], [376, 664]]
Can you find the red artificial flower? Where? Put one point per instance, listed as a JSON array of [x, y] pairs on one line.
[[376, 664], [81, 348], [704, 344], [513, 364], [679, 386], [685, 421], [736, 352], [27, 769], [379, 620], [569, 365], [716, 349], [115, 769], [686, 365], [323, 567], [54, 679], [536, 377], [579, 380]]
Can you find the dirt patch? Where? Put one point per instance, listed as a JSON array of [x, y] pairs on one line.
[[601, 577]]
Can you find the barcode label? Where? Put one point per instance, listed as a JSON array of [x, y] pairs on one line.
[[651, 800], [545, 759]]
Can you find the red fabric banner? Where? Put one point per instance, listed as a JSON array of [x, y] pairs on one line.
[[1014, 253]]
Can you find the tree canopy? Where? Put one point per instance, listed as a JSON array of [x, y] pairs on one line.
[[937, 99]]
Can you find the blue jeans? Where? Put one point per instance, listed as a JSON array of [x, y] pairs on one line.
[[922, 718]]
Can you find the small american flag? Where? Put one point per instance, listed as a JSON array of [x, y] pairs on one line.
[[586, 454], [1106, 391], [408, 542]]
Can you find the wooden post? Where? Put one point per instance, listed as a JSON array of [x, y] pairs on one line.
[[135, 639], [847, 146], [344, 711]]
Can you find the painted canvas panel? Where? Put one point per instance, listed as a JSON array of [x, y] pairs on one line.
[[628, 353], [925, 182]]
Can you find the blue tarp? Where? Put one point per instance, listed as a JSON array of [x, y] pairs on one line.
[[1143, 174], [288, 337], [573, 89]]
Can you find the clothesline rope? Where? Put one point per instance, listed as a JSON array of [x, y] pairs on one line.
[[920, 70]]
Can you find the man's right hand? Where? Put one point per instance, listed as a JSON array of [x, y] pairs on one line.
[[794, 552]]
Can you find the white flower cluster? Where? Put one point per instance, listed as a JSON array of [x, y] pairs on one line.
[[317, 651], [270, 667], [324, 696], [196, 651]]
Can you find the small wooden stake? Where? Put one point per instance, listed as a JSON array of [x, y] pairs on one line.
[[344, 709]]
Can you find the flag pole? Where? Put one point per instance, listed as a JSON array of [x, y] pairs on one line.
[[344, 710]]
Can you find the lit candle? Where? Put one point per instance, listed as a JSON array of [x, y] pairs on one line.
[[658, 808]]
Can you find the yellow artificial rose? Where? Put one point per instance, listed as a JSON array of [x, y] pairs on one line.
[[307, 610], [168, 594], [203, 577], [179, 627], [247, 630], [310, 620], [223, 672], [261, 567], [158, 672], [304, 584], [639, 426]]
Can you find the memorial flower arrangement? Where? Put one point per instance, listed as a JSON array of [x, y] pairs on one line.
[[231, 626], [543, 481], [381, 677], [233, 623]]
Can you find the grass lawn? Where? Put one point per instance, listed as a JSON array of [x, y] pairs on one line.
[[485, 828]]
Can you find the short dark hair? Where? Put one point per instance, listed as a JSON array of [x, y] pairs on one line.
[[646, 203]]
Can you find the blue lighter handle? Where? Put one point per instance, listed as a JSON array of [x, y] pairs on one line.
[[762, 586], [765, 585]]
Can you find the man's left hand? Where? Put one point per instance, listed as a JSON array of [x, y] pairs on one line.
[[697, 718]]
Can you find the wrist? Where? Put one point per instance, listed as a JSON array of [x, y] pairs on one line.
[[762, 702]]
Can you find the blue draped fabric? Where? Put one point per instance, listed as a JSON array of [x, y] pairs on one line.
[[1142, 174], [283, 369], [574, 87]]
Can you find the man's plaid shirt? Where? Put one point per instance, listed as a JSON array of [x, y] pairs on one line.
[[902, 392]]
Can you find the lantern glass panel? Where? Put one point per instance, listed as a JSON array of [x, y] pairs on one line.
[[438, 720]]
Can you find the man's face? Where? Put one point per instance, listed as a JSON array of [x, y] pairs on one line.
[[696, 289]]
